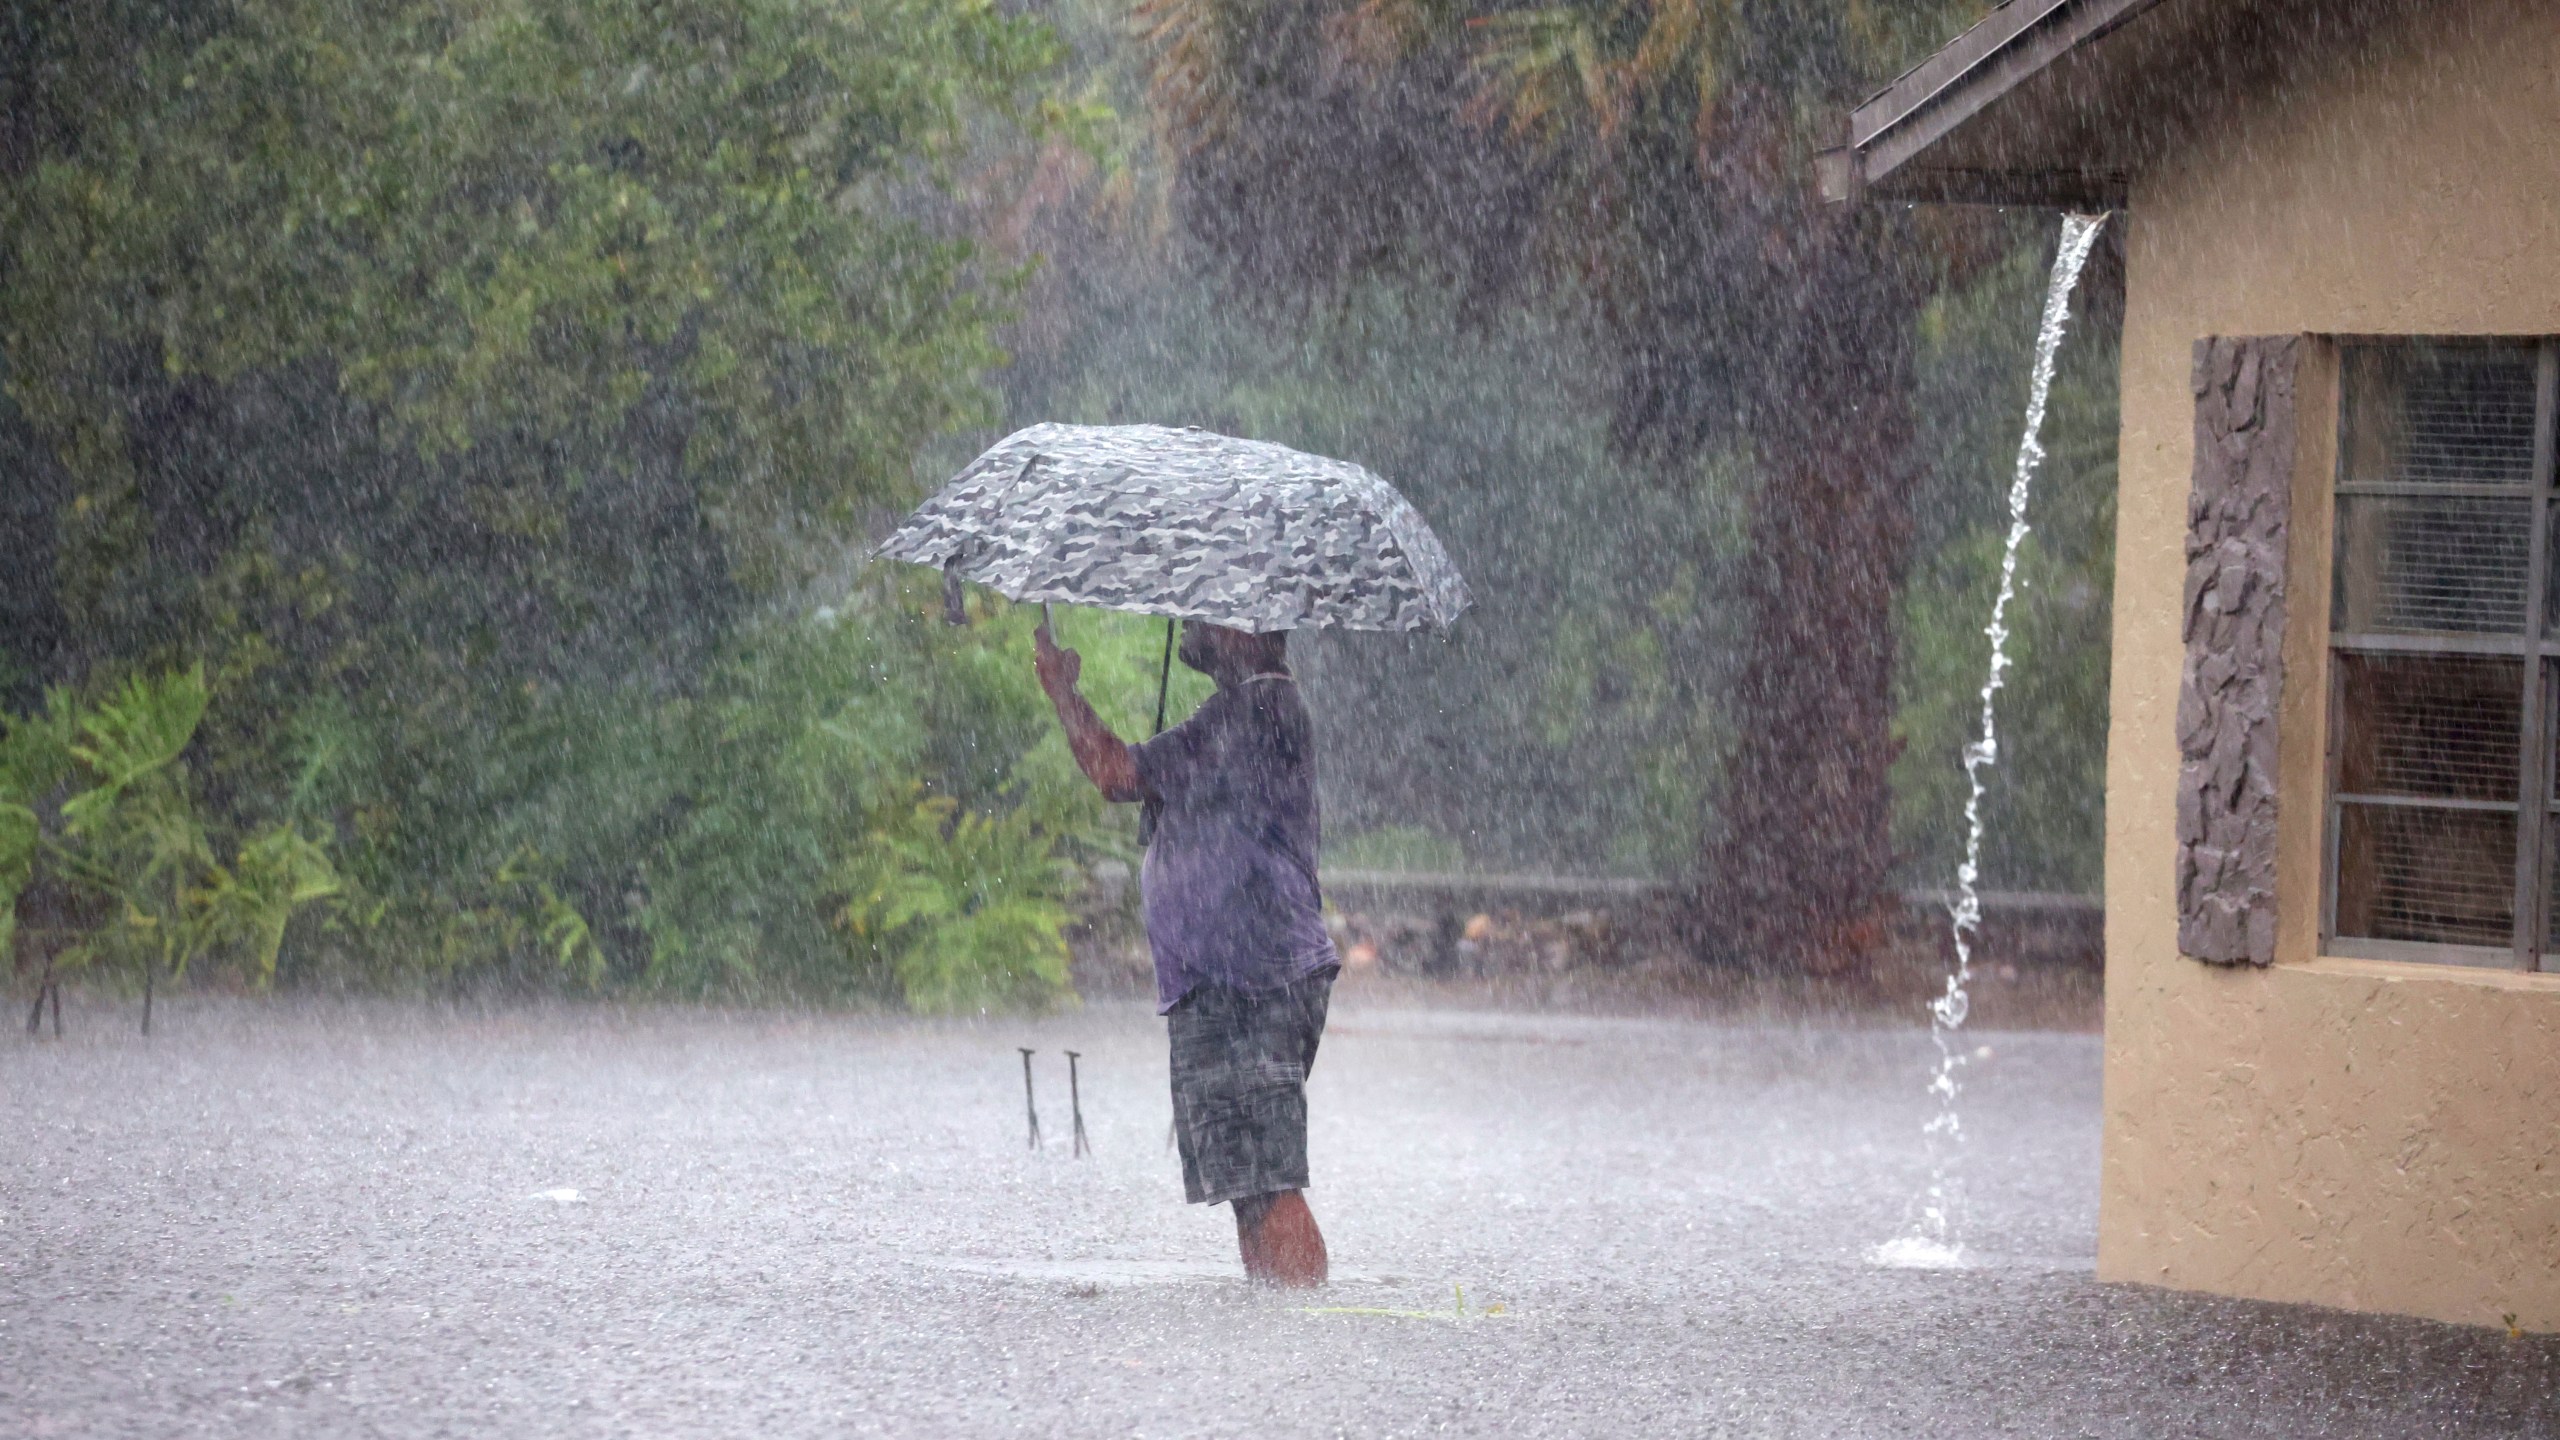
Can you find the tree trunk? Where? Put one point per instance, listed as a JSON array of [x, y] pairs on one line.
[[1798, 876]]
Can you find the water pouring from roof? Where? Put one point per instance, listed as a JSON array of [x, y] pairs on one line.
[[1935, 1240]]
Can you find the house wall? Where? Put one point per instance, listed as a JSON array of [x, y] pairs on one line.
[[2352, 1133]]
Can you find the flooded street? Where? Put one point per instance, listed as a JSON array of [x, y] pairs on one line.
[[400, 1221]]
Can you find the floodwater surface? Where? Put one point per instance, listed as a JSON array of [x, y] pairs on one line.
[[404, 1221]]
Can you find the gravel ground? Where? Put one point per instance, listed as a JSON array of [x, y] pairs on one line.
[[356, 1220]]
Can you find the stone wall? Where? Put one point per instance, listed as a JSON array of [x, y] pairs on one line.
[[2233, 624]]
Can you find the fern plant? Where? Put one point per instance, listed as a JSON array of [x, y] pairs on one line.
[[557, 928], [965, 909], [96, 817]]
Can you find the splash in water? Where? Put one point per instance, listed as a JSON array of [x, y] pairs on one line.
[[1935, 1240]]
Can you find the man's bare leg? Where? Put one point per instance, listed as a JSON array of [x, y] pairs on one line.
[[1249, 1212], [1277, 1236]]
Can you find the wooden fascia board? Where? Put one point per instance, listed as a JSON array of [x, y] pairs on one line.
[[1970, 73], [2088, 191]]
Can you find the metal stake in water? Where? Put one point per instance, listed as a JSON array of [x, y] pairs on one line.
[[1028, 1106], [1936, 1236], [1075, 1105]]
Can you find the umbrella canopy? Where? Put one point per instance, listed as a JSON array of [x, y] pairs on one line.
[[1187, 524]]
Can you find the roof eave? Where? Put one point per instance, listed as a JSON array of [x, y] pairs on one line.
[[1891, 134], [2087, 191]]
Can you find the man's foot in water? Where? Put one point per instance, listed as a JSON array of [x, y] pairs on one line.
[[1278, 1238]]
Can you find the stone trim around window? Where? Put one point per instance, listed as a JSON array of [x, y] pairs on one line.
[[2238, 510]]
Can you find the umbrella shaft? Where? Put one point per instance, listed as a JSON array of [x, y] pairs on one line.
[[1164, 677]]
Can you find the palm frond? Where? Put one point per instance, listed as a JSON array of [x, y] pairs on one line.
[[1193, 80]]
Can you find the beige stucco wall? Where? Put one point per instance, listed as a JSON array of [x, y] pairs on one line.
[[2353, 1133]]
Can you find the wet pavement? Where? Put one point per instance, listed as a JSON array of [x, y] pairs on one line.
[[398, 1221]]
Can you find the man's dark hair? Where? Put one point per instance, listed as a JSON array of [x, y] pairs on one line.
[[1264, 652]]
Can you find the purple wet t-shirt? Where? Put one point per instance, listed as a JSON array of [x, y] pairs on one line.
[[1229, 884]]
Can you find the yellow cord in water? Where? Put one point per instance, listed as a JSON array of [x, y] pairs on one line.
[[1490, 1312]]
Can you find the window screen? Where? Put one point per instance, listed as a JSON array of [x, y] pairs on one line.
[[2444, 795]]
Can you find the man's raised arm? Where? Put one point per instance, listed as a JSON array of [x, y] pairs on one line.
[[1103, 756]]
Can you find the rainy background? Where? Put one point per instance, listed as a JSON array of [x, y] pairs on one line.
[[443, 678], [481, 475]]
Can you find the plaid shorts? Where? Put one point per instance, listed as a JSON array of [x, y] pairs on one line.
[[1240, 1062]]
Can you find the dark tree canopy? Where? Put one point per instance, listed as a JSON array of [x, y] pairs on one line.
[[1658, 152]]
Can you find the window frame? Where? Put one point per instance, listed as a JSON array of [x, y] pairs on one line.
[[2537, 855]]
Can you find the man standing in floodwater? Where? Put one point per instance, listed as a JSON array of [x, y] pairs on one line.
[[1243, 964]]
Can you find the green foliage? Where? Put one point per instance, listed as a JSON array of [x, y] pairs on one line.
[[476, 407], [97, 798], [249, 903], [549, 923], [137, 730], [129, 836], [696, 845], [966, 910], [35, 766], [805, 757], [19, 834], [514, 373], [534, 215]]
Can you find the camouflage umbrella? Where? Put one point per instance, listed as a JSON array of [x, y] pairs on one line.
[[1187, 524]]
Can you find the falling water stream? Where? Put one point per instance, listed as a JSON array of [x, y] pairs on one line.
[[1935, 1239]]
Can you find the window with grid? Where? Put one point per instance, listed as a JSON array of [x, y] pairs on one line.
[[2445, 666]]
